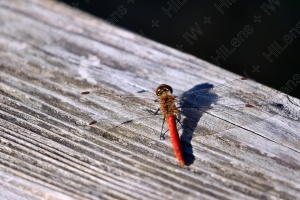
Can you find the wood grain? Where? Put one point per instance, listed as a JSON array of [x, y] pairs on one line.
[[50, 53]]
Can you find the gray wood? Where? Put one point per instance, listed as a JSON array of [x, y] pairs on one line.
[[50, 53]]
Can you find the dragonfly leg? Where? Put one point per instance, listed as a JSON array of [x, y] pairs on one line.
[[178, 121], [156, 112], [153, 113], [162, 135]]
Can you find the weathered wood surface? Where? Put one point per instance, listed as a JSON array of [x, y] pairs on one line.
[[50, 53]]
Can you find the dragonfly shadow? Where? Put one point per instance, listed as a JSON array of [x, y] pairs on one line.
[[192, 105]]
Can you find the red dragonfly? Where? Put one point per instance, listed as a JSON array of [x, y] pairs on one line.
[[211, 100], [170, 112]]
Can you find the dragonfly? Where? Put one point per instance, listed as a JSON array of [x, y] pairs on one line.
[[170, 112], [251, 105]]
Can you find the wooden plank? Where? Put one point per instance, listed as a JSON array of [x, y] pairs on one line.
[[50, 53]]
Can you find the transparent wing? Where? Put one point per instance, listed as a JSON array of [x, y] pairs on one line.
[[203, 109]]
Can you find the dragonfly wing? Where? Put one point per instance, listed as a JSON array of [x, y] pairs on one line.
[[234, 104]]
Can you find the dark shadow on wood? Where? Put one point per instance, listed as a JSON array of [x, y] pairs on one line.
[[192, 105]]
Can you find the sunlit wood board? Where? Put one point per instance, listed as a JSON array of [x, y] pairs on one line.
[[50, 53]]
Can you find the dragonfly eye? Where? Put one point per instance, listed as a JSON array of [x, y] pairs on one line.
[[163, 88]]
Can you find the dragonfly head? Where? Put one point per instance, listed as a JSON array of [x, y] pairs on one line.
[[163, 88]]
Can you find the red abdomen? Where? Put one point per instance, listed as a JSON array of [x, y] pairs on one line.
[[171, 119]]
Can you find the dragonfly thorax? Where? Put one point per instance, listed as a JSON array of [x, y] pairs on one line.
[[167, 104]]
